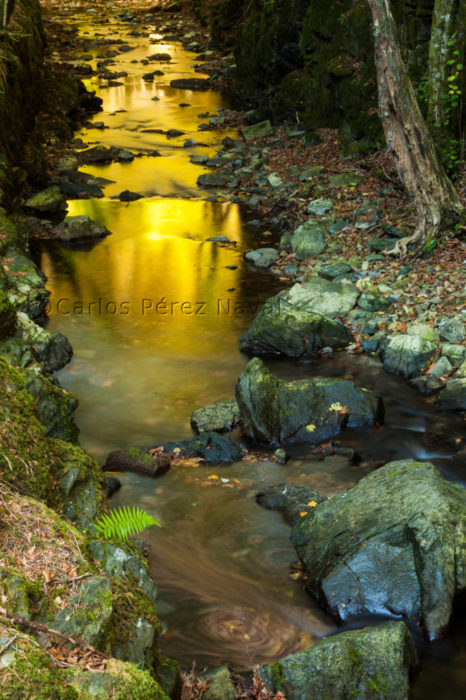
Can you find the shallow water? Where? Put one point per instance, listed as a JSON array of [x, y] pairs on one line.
[[154, 313]]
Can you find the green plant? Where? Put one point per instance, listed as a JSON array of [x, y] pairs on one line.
[[123, 522]]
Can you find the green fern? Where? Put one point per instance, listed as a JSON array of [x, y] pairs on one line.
[[123, 522]]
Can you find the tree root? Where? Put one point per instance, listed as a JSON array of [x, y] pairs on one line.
[[401, 247]]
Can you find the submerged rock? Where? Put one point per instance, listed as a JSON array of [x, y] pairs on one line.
[[308, 410], [280, 328], [190, 83], [394, 544], [219, 417], [209, 446], [321, 296], [374, 662], [289, 499]]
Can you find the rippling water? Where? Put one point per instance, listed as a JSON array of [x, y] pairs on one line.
[[145, 359]]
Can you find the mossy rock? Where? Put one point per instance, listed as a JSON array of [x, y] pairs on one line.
[[7, 316]]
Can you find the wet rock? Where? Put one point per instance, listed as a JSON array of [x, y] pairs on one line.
[[212, 180], [127, 196], [113, 485], [373, 662], [280, 328], [427, 384], [308, 240], [263, 257], [199, 159], [257, 131], [81, 68], [274, 411], [319, 206], [162, 57], [321, 296], [453, 397], [220, 685], [50, 348], [190, 143], [289, 499], [48, 201], [173, 133], [221, 239], [124, 156], [136, 459], [281, 456], [80, 189], [407, 355], [373, 302], [209, 446], [121, 560], [219, 417], [332, 270], [452, 329], [55, 406], [79, 228], [199, 84], [97, 154], [391, 545], [25, 285], [66, 164]]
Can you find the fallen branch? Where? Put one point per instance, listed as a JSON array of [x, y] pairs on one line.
[[40, 627]]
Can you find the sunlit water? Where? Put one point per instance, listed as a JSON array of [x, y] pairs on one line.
[[154, 313]]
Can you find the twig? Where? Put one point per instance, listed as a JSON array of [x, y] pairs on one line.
[[8, 644], [39, 627]]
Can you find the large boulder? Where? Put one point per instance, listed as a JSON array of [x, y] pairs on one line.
[[280, 328], [322, 296], [308, 410], [370, 663], [395, 544], [407, 355]]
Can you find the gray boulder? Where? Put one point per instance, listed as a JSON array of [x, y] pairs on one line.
[[308, 410], [453, 397], [280, 328], [257, 131], [263, 257], [79, 228], [49, 347], [407, 355], [374, 662], [308, 240], [322, 296], [220, 417], [392, 545], [453, 329]]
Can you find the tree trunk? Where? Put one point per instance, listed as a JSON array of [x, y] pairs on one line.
[[408, 137], [443, 23]]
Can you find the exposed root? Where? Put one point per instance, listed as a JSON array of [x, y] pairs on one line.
[[401, 247]]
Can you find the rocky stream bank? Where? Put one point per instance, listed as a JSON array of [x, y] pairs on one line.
[[393, 546]]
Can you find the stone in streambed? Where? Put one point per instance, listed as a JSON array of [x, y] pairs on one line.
[[321, 296], [47, 201], [274, 411], [221, 686], [263, 257], [453, 397], [308, 240], [394, 544], [219, 417], [200, 84], [407, 355], [212, 180], [289, 499], [50, 348], [128, 196], [374, 662], [97, 154], [209, 446], [79, 228], [136, 459], [280, 328]]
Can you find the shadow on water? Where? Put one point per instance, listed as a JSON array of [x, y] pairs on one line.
[[154, 313]]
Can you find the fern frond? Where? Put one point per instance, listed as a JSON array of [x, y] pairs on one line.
[[124, 521]]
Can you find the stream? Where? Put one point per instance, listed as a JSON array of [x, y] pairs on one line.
[[154, 313]]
